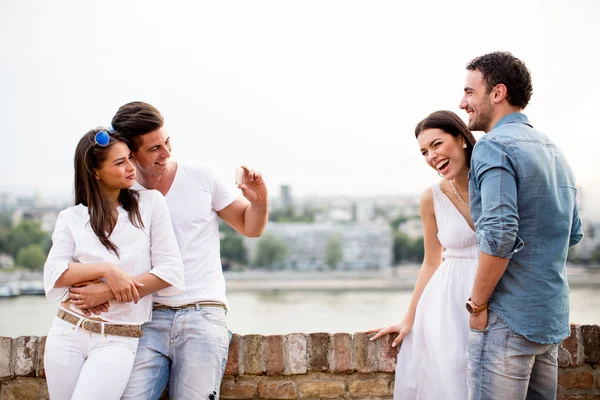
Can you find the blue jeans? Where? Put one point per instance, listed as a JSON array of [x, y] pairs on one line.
[[185, 348], [505, 365]]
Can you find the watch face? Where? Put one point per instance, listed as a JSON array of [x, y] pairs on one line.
[[470, 308]]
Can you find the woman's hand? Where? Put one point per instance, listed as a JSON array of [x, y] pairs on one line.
[[403, 329], [91, 297], [123, 285]]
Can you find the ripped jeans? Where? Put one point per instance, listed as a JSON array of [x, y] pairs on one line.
[[505, 365], [186, 349]]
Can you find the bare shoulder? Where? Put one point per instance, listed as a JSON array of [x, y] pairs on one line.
[[426, 201]]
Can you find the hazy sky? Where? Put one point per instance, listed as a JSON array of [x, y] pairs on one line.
[[322, 95]]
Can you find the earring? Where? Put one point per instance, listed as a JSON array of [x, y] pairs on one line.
[[464, 145]]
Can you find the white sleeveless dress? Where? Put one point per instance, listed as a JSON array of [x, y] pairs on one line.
[[432, 362]]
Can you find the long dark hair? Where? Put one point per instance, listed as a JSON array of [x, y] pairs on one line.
[[450, 123], [88, 156]]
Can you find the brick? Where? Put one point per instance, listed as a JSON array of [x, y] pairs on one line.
[[387, 354], [44, 395], [254, 360], [576, 380], [572, 345], [371, 387], [240, 389], [318, 352], [21, 389], [341, 355], [233, 361], [277, 390], [569, 396], [591, 343], [274, 355], [25, 355], [366, 357], [323, 389], [5, 357], [295, 354], [39, 367]]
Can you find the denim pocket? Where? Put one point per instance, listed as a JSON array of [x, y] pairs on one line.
[[215, 315], [517, 355], [492, 320]]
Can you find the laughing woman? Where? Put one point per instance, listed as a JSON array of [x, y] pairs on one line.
[[432, 363], [116, 235]]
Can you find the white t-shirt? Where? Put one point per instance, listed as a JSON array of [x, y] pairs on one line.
[[150, 249], [198, 192]]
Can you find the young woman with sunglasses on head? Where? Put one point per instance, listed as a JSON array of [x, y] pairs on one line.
[[117, 235]]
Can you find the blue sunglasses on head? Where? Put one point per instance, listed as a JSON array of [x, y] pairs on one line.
[[102, 138]]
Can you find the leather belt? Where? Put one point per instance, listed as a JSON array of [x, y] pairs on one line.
[[91, 326], [191, 305]]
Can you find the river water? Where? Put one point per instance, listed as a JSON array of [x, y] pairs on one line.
[[280, 312]]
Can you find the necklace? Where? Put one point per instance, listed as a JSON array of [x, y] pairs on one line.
[[458, 195]]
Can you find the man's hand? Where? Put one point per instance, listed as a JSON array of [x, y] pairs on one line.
[[479, 321], [254, 188], [92, 296], [123, 285]]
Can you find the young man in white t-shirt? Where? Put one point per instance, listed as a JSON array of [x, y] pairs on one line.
[[186, 343]]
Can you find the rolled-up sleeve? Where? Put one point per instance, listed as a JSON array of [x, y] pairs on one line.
[[495, 178], [164, 252], [576, 227], [61, 253]]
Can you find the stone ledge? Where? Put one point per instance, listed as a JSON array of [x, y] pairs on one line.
[[307, 366]]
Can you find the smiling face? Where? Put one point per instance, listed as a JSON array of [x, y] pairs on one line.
[[117, 171], [153, 154], [443, 152], [477, 103]]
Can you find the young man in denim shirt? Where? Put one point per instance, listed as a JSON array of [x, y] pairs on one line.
[[522, 194]]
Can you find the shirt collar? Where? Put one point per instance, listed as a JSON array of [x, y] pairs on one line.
[[512, 118]]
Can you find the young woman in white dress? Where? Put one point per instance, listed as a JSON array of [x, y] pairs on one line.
[[117, 235], [432, 361]]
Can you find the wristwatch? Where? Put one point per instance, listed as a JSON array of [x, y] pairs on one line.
[[474, 309]]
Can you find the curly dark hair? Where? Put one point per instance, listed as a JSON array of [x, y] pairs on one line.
[[502, 67]]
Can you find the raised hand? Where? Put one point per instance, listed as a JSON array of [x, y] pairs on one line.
[[403, 329], [253, 187], [123, 285]]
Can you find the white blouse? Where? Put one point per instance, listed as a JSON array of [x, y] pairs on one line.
[[150, 249]]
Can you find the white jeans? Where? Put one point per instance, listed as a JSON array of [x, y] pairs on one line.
[[82, 365]]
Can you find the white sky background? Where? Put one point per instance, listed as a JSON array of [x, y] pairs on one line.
[[322, 95]]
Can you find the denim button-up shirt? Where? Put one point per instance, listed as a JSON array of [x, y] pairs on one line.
[[522, 194]]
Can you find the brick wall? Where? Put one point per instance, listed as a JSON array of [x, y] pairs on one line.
[[307, 366]]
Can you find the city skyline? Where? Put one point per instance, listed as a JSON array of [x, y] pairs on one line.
[[320, 96]]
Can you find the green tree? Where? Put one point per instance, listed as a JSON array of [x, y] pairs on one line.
[[32, 257], [334, 251], [232, 247], [407, 249], [270, 251], [595, 258], [25, 233]]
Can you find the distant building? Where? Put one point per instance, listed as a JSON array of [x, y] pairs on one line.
[[46, 216], [413, 228], [364, 245], [6, 260], [286, 197]]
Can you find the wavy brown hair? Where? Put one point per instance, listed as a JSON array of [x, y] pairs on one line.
[[450, 123], [88, 156]]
